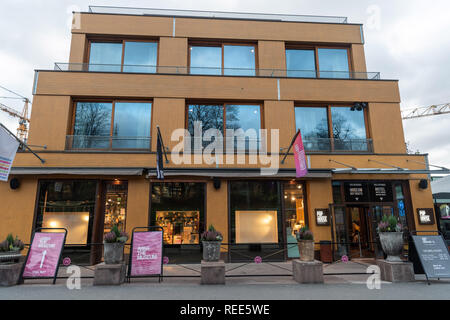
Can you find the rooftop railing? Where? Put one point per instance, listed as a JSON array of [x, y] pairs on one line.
[[242, 72], [217, 14]]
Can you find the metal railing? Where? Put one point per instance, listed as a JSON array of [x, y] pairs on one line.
[[217, 14], [338, 145], [85, 142], [239, 72]]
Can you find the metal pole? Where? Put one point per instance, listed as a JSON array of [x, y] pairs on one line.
[[22, 143], [290, 146]]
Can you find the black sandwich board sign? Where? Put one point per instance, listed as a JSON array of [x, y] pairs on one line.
[[433, 255]]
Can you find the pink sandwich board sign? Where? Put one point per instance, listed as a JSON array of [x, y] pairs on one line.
[[44, 254], [146, 256]]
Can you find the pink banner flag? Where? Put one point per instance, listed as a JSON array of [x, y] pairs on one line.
[[300, 157], [146, 257], [44, 255]]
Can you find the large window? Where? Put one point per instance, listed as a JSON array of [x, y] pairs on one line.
[[126, 56], [332, 128], [229, 117], [311, 62], [67, 204], [111, 125], [222, 59], [179, 208]]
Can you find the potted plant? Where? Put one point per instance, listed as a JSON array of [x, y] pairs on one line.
[[113, 244], [391, 238], [10, 265], [305, 241], [211, 240]]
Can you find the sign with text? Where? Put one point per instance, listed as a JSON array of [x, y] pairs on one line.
[[322, 217], [356, 192], [44, 255], [146, 256], [425, 216], [300, 157], [381, 192], [433, 254]]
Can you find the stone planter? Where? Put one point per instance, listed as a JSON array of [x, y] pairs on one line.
[[10, 274], [392, 244], [211, 250], [306, 250], [113, 252], [10, 257]]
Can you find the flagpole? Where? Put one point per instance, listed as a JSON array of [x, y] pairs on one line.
[[22, 143], [290, 146]]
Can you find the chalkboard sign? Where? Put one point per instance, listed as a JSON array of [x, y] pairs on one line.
[[433, 255]]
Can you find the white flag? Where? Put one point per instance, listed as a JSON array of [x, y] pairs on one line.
[[8, 149]]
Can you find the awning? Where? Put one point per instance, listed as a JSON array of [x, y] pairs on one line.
[[78, 171], [386, 171], [239, 173]]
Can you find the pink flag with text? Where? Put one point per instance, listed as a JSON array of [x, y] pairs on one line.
[[147, 253], [300, 157], [44, 255]]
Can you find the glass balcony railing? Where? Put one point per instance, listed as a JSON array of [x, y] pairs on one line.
[[236, 72], [83, 142], [338, 145]]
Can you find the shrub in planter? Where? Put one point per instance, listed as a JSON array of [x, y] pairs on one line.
[[391, 237], [9, 260], [113, 244], [305, 241], [211, 241]]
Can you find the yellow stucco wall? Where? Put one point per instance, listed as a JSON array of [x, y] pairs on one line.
[[217, 208], [421, 199]]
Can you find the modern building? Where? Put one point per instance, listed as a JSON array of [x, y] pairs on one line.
[[132, 71]]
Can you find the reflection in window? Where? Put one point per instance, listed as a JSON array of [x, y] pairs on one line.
[[239, 60], [349, 129], [301, 63], [105, 56], [179, 209], [313, 124], [92, 125], [333, 63], [209, 116], [140, 57], [206, 60], [67, 204], [444, 220], [131, 125]]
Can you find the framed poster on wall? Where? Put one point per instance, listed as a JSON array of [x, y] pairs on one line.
[[254, 226]]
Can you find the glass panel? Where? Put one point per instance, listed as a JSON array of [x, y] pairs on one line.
[[295, 218], [401, 205], [115, 205], [206, 60], [140, 57], [313, 123], [92, 125], [68, 204], [244, 117], [301, 63], [179, 209], [341, 232], [444, 220], [132, 125], [349, 129], [239, 60], [105, 56], [333, 63], [210, 117]]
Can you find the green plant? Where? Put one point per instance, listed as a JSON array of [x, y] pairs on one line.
[[115, 235], [305, 234], [211, 234], [11, 244], [389, 224]]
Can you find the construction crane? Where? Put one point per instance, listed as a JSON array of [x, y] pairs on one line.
[[433, 110], [22, 130]]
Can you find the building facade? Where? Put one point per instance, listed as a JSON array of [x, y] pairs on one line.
[[130, 73]]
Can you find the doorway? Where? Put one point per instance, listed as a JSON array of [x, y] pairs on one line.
[[360, 232]]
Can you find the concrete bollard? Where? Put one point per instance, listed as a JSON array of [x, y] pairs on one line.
[[213, 272], [307, 271]]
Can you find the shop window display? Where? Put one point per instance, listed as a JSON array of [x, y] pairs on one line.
[[115, 205], [180, 227]]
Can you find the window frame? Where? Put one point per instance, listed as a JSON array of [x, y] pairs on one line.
[[290, 46], [113, 102], [221, 44], [328, 107], [122, 41]]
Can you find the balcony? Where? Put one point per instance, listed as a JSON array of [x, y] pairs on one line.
[[234, 72], [107, 143], [327, 145]]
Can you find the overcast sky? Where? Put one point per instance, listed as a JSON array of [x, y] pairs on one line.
[[405, 39]]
